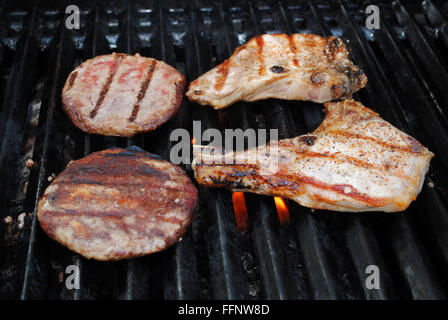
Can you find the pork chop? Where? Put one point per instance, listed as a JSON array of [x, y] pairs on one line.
[[118, 203], [354, 161]]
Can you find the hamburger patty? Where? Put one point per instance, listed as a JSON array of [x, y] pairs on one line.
[[121, 95], [118, 203]]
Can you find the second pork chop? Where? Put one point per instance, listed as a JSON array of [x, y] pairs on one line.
[[355, 161]]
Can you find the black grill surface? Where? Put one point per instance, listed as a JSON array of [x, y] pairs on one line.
[[317, 255]]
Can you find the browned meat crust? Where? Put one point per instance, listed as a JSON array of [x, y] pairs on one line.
[[122, 95], [117, 204], [291, 67]]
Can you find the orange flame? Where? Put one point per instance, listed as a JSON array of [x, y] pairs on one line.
[[240, 209], [282, 210], [193, 141]]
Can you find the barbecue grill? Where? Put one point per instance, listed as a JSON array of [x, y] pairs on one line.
[[305, 255]]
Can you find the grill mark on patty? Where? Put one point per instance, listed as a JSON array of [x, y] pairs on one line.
[[70, 197], [71, 80], [73, 196], [143, 90], [309, 139], [58, 211], [105, 89], [260, 43], [171, 220]]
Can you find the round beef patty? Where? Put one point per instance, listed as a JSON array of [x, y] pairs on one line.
[[122, 95], [118, 203]]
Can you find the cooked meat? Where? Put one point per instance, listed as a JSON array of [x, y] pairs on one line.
[[117, 204], [122, 95], [354, 161], [291, 67]]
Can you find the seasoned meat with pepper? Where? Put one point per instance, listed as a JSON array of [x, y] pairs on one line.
[[290, 67], [122, 95], [354, 161], [117, 204]]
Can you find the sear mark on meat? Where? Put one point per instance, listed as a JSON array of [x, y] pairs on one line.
[[318, 77]]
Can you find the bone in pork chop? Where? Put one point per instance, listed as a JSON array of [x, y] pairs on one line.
[[118, 203], [354, 161], [290, 67]]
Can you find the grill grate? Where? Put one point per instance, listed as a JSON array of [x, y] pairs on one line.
[[316, 255]]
